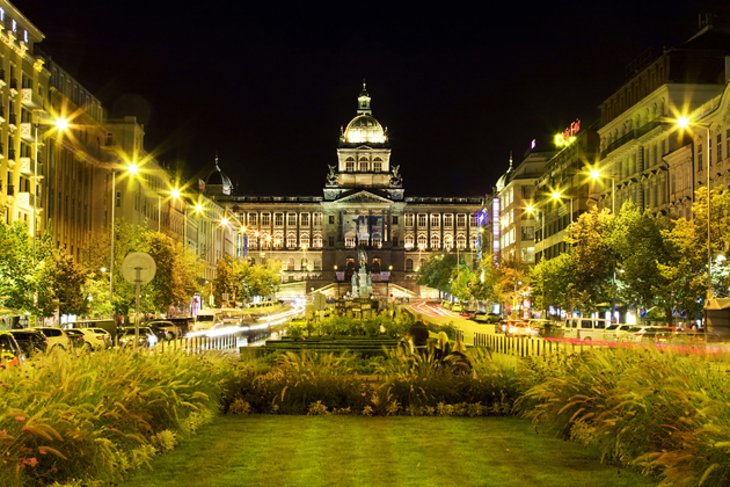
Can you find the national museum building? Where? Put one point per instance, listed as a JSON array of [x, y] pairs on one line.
[[363, 215]]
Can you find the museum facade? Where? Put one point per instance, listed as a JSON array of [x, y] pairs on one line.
[[320, 241]]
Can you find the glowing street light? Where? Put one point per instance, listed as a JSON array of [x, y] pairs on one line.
[[595, 175]]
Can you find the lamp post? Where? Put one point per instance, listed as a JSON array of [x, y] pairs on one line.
[[683, 123], [112, 238]]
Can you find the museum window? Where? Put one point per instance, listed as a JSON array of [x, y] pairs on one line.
[[377, 166], [350, 242], [364, 166], [435, 242], [277, 242], [278, 219], [350, 166], [317, 242], [473, 221], [291, 241], [291, 219], [252, 218], [304, 241], [422, 242], [316, 218], [408, 242], [435, 220], [332, 219], [409, 265], [376, 242], [448, 220], [304, 219], [421, 220], [409, 219], [461, 242], [448, 242], [461, 220], [395, 219]]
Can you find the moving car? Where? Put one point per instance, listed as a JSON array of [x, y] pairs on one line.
[[519, 328], [164, 328]]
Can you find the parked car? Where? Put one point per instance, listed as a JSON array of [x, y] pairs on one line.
[[97, 338], [546, 328], [621, 332], [164, 329], [57, 337], [31, 342], [126, 337], [76, 337], [10, 353]]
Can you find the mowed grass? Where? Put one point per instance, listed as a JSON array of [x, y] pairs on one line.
[[382, 451]]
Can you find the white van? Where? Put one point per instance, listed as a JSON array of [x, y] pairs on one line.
[[585, 328], [204, 320], [220, 317]]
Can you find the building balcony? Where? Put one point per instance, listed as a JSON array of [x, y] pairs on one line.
[[24, 200], [25, 168], [26, 131], [28, 98]]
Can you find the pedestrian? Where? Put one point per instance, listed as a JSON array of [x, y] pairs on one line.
[[418, 333]]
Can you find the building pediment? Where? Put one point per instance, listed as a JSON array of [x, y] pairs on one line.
[[362, 196]]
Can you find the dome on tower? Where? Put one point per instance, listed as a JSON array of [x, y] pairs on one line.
[[217, 182], [364, 128]]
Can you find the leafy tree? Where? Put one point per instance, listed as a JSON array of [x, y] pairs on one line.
[[552, 283], [593, 258], [436, 272], [67, 278], [484, 281], [257, 279], [224, 281], [16, 269]]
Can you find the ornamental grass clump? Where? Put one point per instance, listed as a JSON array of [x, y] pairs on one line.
[[95, 416], [662, 411]]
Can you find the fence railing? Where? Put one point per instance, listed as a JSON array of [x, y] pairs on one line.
[[529, 346], [199, 344]]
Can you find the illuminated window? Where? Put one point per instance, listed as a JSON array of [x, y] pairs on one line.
[[317, 219], [377, 242], [408, 242], [473, 220], [2, 14], [448, 242], [15, 26], [317, 242], [350, 166], [265, 219], [304, 219], [291, 219], [252, 218], [435, 220], [461, 242], [253, 243], [291, 241], [461, 220], [422, 242], [364, 166], [278, 219], [377, 166], [350, 242], [435, 241], [25, 36], [449, 220], [304, 241], [409, 219], [278, 242], [421, 220]]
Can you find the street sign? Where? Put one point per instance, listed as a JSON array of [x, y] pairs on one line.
[[138, 268]]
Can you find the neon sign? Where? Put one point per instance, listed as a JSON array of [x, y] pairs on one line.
[[567, 137]]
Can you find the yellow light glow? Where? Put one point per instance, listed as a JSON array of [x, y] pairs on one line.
[[682, 122], [224, 221], [243, 229], [556, 195], [561, 141], [198, 208], [133, 168], [595, 174], [175, 193], [62, 124], [530, 209]]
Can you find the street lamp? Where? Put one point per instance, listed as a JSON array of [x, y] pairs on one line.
[[684, 123], [596, 175], [558, 196]]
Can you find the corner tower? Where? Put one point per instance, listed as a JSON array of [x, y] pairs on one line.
[[363, 157]]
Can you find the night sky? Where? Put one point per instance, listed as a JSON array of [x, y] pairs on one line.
[[266, 86]]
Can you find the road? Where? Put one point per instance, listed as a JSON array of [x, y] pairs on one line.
[[434, 313]]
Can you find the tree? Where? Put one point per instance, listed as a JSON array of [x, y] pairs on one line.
[[436, 272], [484, 281], [16, 269], [552, 284], [593, 258], [257, 279], [225, 281], [66, 286]]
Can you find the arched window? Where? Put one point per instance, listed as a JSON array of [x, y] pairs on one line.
[[409, 265], [461, 242], [304, 265], [435, 241], [290, 265], [364, 166], [375, 266], [350, 164], [422, 242], [408, 242]]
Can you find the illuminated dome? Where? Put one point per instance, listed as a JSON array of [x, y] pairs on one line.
[[364, 129], [217, 182]]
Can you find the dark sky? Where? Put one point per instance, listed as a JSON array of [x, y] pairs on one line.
[[266, 85]]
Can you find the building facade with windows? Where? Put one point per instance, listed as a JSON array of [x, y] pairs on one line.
[[364, 206]]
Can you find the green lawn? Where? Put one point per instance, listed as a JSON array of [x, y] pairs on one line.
[[395, 451]]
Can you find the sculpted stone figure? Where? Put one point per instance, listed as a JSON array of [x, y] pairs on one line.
[[332, 176]]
